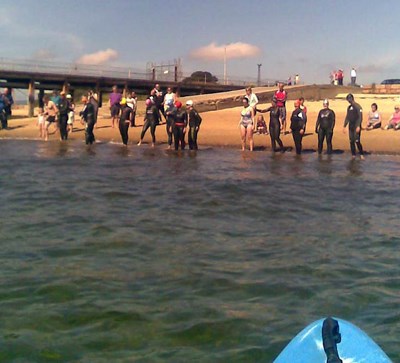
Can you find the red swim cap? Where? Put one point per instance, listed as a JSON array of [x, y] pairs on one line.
[[178, 104], [297, 103]]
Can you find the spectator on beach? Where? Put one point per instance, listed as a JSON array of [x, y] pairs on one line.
[[115, 99], [274, 125], [50, 112], [354, 121], [394, 121], [93, 98], [353, 76], [340, 77], [170, 95], [252, 97], [158, 99], [71, 113], [63, 109], [124, 121], [151, 120], [179, 126], [131, 102], [88, 119], [374, 118], [246, 124], [10, 99], [324, 127], [297, 125], [194, 120], [41, 122], [296, 79], [289, 81], [281, 96], [3, 112]]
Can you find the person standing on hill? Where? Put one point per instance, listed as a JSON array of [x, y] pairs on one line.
[[324, 127], [354, 120], [115, 99], [194, 125], [281, 96], [297, 126], [353, 76]]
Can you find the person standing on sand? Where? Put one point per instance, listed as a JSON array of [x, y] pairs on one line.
[[194, 125], [297, 125], [88, 118], [71, 113], [274, 126], [158, 99], [50, 111], [115, 99], [64, 109], [324, 127], [246, 124], [9, 102], [354, 120], [131, 102], [281, 96], [124, 121], [151, 120], [3, 112]]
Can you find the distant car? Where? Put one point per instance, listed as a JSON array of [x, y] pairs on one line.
[[391, 81]]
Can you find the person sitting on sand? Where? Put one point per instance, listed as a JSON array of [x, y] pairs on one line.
[[261, 125], [246, 124], [394, 121], [374, 118]]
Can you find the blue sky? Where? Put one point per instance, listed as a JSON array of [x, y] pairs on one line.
[[309, 37]]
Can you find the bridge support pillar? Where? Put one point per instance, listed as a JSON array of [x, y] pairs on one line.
[[31, 98]]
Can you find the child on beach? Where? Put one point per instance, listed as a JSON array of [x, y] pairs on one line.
[[261, 125], [41, 123]]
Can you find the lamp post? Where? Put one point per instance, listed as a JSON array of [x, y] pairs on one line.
[[259, 75]]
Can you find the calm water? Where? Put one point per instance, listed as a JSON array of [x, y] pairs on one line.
[[109, 255]]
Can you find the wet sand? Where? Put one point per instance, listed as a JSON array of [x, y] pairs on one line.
[[220, 128]]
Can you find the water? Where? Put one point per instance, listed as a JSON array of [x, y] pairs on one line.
[[139, 255]]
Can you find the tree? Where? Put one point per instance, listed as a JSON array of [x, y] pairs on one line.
[[200, 77]]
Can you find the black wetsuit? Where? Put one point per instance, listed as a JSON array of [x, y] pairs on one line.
[[88, 116], [124, 122], [95, 104], [178, 129], [151, 119], [158, 99], [274, 126], [3, 112], [170, 116], [64, 108], [324, 129], [194, 127], [354, 120], [297, 125]]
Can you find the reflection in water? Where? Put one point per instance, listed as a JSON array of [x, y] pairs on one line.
[[354, 166]]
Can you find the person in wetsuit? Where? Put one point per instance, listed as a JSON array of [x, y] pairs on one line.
[[354, 120], [170, 112], [324, 127], [3, 111], [88, 117], [297, 125], [179, 125], [64, 108], [194, 125], [274, 125], [124, 121], [151, 120]]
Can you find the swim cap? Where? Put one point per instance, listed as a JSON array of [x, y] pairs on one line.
[[148, 102], [189, 103], [326, 101], [123, 101], [178, 104], [69, 96]]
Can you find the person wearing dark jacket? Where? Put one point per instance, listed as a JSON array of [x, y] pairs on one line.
[[324, 127], [151, 120], [354, 120], [64, 108], [297, 125], [88, 117], [124, 121], [179, 125], [194, 125]]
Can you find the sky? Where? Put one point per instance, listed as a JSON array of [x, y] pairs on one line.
[[309, 37]]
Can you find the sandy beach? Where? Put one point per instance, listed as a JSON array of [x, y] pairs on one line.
[[220, 128]]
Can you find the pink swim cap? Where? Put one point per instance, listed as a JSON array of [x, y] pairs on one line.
[[148, 102]]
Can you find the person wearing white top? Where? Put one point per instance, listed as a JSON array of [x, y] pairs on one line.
[[131, 102], [253, 100], [353, 76]]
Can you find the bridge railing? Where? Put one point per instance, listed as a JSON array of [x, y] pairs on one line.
[[77, 69]]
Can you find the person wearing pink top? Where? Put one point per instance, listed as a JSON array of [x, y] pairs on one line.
[[394, 121], [281, 96]]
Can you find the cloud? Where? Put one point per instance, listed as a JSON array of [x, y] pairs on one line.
[[100, 57], [233, 50]]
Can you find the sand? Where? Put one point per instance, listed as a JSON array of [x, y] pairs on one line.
[[220, 128]]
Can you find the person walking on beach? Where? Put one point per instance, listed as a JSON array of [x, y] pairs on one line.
[[324, 127], [131, 102], [354, 120], [115, 99], [179, 126], [194, 125], [151, 120], [274, 126], [124, 121], [297, 126], [88, 118], [246, 124], [353, 76], [63, 109], [50, 112], [281, 96]]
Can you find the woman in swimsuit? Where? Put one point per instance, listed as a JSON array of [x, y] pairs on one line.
[[247, 124]]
